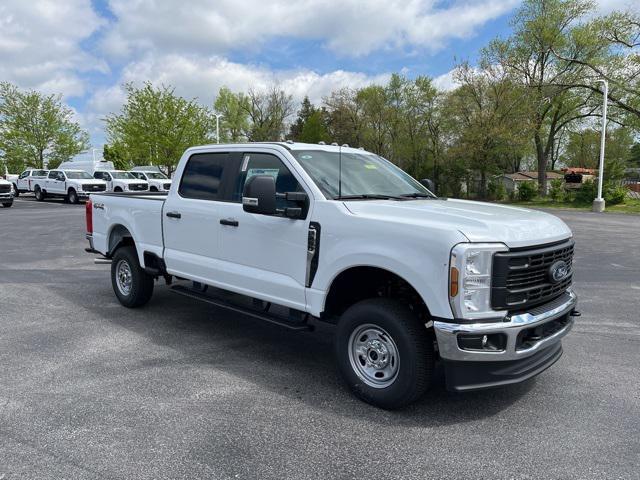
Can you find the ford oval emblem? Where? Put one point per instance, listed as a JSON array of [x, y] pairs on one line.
[[558, 271]]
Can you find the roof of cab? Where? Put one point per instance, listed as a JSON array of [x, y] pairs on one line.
[[288, 145]]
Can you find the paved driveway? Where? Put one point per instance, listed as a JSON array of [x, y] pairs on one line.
[[89, 389]]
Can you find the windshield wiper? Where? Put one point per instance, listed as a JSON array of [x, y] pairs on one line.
[[367, 196], [418, 195]]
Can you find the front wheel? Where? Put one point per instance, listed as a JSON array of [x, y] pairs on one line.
[[7, 205], [131, 284], [384, 353], [73, 196], [16, 192], [117, 189]]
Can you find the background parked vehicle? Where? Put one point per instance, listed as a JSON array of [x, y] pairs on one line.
[[26, 180], [121, 181], [88, 166], [158, 181], [72, 185], [6, 193]]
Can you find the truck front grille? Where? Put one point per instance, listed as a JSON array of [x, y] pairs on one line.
[[94, 188], [524, 278], [138, 186], [5, 188]]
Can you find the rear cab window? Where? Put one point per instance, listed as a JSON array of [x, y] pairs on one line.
[[205, 176]]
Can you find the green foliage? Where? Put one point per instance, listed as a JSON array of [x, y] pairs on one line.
[[496, 190], [268, 112], [234, 108], [111, 154], [612, 192], [527, 191], [155, 126], [556, 190], [37, 129]]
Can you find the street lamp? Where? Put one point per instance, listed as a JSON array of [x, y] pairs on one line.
[[598, 202], [218, 117]]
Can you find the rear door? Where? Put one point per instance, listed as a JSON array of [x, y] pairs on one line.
[[191, 218], [264, 256]]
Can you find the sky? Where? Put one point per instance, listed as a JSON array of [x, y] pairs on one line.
[[86, 50]]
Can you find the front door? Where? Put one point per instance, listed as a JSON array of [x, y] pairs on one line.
[[191, 219], [55, 182], [264, 256]]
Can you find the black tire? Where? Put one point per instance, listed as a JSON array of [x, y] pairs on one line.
[[7, 205], [153, 189], [117, 189], [400, 330], [16, 192], [39, 194], [140, 283], [72, 197]]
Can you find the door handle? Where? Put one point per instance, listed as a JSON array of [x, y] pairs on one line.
[[174, 215], [229, 221]]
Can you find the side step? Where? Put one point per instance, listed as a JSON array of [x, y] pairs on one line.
[[262, 315]]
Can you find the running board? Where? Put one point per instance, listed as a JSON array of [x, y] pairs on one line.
[[218, 302]]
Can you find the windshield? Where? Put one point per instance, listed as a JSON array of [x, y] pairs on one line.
[[39, 173], [156, 175], [122, 175], [78, 175], [363, 174]]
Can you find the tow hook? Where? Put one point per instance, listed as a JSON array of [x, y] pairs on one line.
[[575, 313]]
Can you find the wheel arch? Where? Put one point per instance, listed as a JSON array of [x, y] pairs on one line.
[[119, 235], [360, 282]]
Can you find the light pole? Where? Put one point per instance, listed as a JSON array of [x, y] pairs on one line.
[[598, 202], [218, 117]]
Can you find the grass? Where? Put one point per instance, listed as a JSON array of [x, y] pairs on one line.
[[631, 205]]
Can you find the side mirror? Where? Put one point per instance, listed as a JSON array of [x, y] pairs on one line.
[[259, 195], [429, 184]]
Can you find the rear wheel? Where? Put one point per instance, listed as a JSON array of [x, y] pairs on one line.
[[131, 284], [16, 192], [117, 189], [39, 194], [153, 189], [384, 353]]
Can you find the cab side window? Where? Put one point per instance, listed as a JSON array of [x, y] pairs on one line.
[[253, 164], [202, 176], [53, 175], [24, 174]]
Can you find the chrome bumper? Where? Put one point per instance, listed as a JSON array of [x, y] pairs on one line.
[[447, 333]]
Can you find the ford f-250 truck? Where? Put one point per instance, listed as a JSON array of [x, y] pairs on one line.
[[295, 233]]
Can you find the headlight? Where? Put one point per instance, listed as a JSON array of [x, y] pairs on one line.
[[125, 187], [79, 187], [470, 280]]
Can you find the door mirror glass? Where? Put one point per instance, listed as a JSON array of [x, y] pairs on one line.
[[259, 195], [429, 184]]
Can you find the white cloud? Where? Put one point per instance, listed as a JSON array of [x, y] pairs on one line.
[[347, 27], [445, 81], [40, 44]]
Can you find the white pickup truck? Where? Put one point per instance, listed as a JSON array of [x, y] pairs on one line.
[[26, 180], [158, 181], [296, 233], [121, 181], [6, 193], [72, 185]]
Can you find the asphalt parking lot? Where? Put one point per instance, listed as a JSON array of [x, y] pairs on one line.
[[179, 389]]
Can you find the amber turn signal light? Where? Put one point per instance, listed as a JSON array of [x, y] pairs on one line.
[[453, 282]]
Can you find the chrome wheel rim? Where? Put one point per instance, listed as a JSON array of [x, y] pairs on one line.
[[123, 277], [374, 355]]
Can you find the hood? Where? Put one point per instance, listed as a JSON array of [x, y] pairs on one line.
[[4, 182], [478, 221]]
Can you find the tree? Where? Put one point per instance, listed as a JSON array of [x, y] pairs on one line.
[[112, 154], [542, 28], [314, 129], [234, 124], [306, 110], [344, 117], [37, 129], [268, 111], [583, 150], [155, 126]]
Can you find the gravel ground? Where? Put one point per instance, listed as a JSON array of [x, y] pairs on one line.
[[179, 389]]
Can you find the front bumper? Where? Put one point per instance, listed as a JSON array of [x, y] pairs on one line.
[[6, 197], [531, 343]]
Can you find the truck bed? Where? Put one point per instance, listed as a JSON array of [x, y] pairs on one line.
[[140, 213]]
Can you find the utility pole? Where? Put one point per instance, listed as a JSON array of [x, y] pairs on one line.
[[598, 202], [218, 117]]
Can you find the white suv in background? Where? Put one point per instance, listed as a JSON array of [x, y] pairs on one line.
[[158, 181], [72, 185], [6, 193], [121, 181], [26, 181]]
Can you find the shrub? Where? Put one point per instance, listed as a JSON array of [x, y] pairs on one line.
[[496, 190], [556, 190], [612, 193], [527, 191]]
